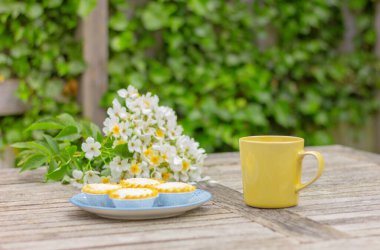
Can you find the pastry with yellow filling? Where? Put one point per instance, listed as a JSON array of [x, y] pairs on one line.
[[133, 197], [140, 183], [175, 193], [97, 193], [99, 188]]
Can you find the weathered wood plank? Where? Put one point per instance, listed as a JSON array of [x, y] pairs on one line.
[[279, 220], [95, 78], [99, 229], [346, 244], [342, 206], [76, 217], [178, 234], [230, 242]]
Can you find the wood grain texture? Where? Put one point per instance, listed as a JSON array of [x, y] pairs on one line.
[[339, 211], [279, 220], [95, 47]]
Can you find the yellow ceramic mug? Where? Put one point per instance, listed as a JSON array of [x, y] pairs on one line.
[[271, 169]]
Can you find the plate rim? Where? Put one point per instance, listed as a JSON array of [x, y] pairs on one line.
[[74, 202]]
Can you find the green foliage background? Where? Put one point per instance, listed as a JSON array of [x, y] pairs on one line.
[[203, 58], [38, 47], [206, 59]]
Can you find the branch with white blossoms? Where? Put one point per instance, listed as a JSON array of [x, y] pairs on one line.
[[141, 139], [153, 137]]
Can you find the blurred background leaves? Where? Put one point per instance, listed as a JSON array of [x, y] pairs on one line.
[[229, 68]]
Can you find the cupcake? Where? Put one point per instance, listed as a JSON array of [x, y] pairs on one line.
[[97, 193], [174, 193], [133, 197], [140, 183]]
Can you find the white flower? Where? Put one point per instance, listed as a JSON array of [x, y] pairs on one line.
[[125, 131], [145, 140], [91, 148], [123, 93], [176, 164], [119, 164], [91, 177], [157, 175], [77, 174], [115, 174], [134, 145], [130, 92], [117, 110], [145, 173], [184, 177], [76, 181], [174, 133], [135, 168], [151, 132], [148, 103], [112, 127]]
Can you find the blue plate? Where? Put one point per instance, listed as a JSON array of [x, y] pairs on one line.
[[198, 199]]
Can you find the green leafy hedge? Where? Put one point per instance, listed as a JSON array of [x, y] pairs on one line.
[[229, 68], [38, 48], [213, 62]]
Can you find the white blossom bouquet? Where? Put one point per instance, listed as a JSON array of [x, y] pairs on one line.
[[141, 139]]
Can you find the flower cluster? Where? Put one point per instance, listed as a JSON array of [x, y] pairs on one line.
[[153, 139]]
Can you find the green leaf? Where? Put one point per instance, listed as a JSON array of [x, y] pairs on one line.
[[57, 174], [53, 164], [91, 130], [118, 21], [123, 41], [282, 113], [155, 16], [67, 119], [33, 162], [71, 150], [53, 144], [44, 125], [85, 7], [38, 146], [66, 179], [122, 150], [257, 115], [69, 133], [33, 10], [52, 3]]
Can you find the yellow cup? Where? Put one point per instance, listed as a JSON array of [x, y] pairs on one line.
[[271, 170]]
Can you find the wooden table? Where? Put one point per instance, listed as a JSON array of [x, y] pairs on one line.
[[340, 211]]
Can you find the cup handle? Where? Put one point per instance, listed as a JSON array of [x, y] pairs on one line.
[[321, 166]]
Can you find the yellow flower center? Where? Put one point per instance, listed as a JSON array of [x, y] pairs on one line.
[[105, 180], [185, 165], [135, 169], [2, 78], [164, 157], [146, 103], [148, 152], [155, 159], [159, 133], [116, 129], [166, 176], [120, 141]]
